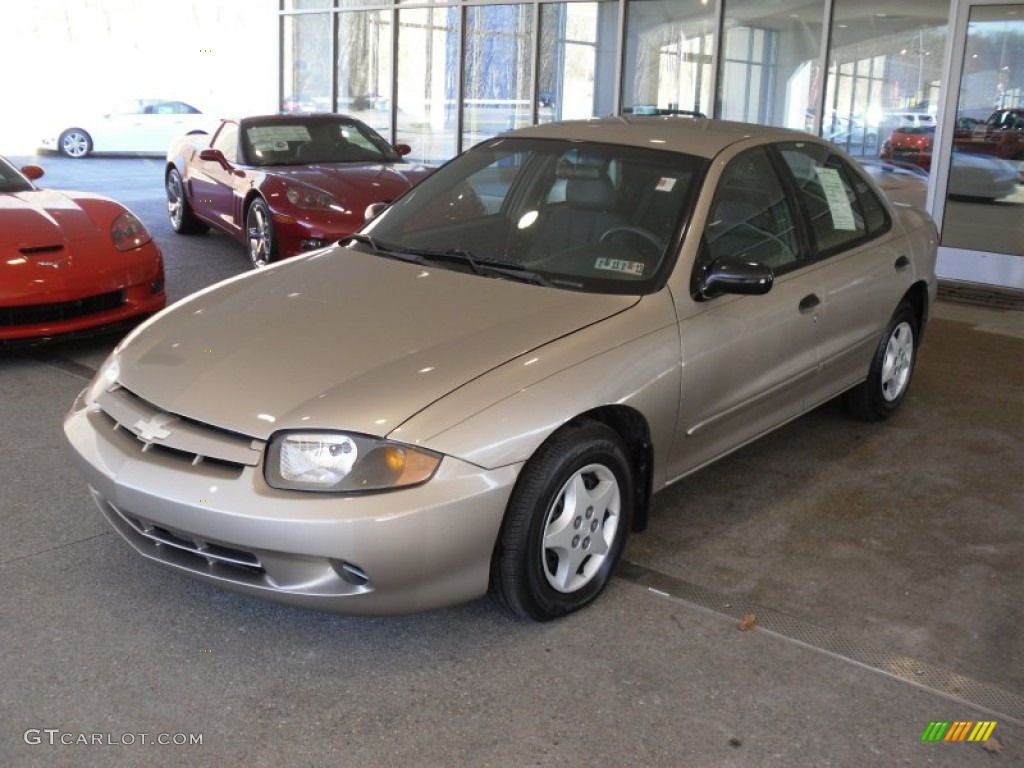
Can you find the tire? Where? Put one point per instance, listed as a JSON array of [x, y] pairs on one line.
[[259, 234], [566, 524], [892, 367], [179, 212], [75, 143]]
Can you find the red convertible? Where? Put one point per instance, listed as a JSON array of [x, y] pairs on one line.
[[72, 262], [284, 184]]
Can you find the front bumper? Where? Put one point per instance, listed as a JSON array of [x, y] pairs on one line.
[[310, 231], [99, 302], [384, 553]]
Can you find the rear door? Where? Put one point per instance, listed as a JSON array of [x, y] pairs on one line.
[[858, 262]]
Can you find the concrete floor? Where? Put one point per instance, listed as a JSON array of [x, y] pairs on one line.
[[882, 561]]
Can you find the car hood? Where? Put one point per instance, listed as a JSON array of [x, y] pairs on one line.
[[376, 181], [341, 339], [39, 218], [41, 233], [912, 140]]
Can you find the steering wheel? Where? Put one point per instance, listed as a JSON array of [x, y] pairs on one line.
[[640, 232]]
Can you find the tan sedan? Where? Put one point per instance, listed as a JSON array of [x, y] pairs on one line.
[[482, 390]]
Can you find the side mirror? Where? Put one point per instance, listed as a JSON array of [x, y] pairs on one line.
[[32, 172], [373, 210], [403, 149], [214, 156], [748, 278]]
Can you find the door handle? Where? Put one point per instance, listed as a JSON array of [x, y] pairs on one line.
[[902, 263], [809, 303]]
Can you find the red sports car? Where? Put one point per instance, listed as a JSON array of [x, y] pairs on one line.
[[283, 184], [70, 262], [910, 144]]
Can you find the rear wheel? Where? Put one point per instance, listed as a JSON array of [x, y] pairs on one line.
[[179, 212], [259, 228], [75, 143], [566, 524], [888, 380]]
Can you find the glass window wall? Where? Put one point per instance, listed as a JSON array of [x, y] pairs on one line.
[[770, 63], [984, 206], [428, 50], [576, 67], [364, 68], [884, 72], [668, 64], [498, 70], [306, 51]]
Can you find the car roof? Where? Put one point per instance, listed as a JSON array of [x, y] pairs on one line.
[[695, 136], [291, 117]]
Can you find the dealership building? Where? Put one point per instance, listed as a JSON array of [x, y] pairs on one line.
[[441, 76]]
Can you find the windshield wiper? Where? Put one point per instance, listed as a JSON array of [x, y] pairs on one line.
[[395, 253], [484, 267]]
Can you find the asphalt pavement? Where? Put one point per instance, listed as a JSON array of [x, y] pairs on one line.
[[819, 598]]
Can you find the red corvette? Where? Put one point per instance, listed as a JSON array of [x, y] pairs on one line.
[[284, 184], [70, 262]]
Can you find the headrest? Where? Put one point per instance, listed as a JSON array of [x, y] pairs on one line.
[[567, 171], [596, 192]]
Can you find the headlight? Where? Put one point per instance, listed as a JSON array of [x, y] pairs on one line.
[[105, 378], [128, 232], [312, 199], [339, 462]]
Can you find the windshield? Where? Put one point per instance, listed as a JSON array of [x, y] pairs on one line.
[[303, 140], [576, 215], [11, 180]]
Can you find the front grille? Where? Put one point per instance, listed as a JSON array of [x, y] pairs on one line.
[[153, 429], [233, 566], [205, 553], [34, 314]]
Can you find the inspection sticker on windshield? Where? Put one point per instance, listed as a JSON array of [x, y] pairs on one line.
[[666, 184], [620, 265]]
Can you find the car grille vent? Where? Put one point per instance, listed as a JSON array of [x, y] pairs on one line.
[[60, 312], [176, 437], [36, 249], [206, 553]]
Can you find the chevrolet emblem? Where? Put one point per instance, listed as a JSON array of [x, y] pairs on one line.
[[153, 428]]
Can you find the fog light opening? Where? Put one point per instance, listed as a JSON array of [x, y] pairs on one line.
[[351, 573]]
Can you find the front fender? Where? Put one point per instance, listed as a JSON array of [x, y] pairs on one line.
[[630, 359]]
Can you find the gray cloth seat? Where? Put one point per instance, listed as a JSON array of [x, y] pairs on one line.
[[588, 212]]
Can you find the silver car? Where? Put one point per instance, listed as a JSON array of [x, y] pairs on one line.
[[482, 390]]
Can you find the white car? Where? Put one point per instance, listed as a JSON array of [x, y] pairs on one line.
[[982, 176], [974, 177], [140, 125]]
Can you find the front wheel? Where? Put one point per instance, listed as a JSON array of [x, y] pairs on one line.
[[75, 143], [179, 212], [260, 239], [566, 524], [885, 388]]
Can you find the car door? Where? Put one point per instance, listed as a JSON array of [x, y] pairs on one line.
[[746, 359], [212, 181], [120, 130], [162, 123], [858, 263]]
